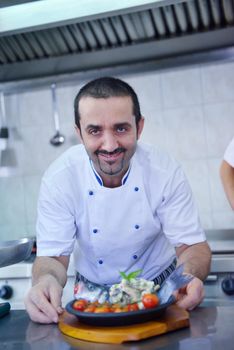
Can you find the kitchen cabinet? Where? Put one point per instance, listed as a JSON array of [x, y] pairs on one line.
[[211, 328]]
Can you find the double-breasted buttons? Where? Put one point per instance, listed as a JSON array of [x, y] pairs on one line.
[[91, 193]]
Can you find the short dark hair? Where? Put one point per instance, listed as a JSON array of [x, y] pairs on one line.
[[106, 87]]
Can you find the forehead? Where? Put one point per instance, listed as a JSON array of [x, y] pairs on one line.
[[119, 107]]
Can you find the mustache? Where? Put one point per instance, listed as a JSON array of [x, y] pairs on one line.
[[117, 150]]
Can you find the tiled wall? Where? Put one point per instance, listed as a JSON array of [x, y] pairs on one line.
[[189, 112]]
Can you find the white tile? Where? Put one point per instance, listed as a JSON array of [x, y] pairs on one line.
[[31, 229], [219, 201], [185, 132], [154, 130], [218, 82], [197, 174], [12, 155], [148, 89], [31, 192], [206, 220], [12, 110], [219, 124], [38, 153], [14, 142], [12, 207], [65, 98], [223, 219], [13, 230], [35, 108], [181, 87]]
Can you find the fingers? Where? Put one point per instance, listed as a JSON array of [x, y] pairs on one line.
[[55, 299], [192, 295], [43, 302], [36, 315]]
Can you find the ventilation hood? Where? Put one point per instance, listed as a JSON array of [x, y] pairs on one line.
[[44, 38]]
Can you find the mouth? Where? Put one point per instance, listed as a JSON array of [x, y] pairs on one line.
[[110, 157]]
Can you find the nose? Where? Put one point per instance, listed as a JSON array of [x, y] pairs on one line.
[[109, 142]]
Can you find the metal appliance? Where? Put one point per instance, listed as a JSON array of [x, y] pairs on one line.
[[40, 40], [219, 285], [11, 252], [18, 280]]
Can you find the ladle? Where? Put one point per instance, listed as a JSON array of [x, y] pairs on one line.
[[8, 161], [58, 139], [4, 132]]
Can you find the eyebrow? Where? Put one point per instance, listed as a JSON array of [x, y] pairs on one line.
[[92, 126], [117, 125], [126, 124]]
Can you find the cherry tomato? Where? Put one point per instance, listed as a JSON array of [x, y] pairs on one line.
[[102, 308], [133, 307], [121, 309], [150, 300], [115, 306], [80, 304], [90, 308]]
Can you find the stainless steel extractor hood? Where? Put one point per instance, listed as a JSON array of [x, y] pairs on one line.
[[44, 38]]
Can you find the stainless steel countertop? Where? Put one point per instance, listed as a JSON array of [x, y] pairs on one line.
[[221, 241], [211, 328]]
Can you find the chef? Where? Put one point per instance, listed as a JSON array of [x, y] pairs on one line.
[[119, 205], [227, 172]]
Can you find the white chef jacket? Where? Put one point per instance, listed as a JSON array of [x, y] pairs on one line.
[[130, 227], [229, 153]]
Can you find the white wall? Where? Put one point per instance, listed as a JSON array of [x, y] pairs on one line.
[[189, 112]]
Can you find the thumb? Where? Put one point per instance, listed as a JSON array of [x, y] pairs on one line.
[[179, 293], [55, 298]]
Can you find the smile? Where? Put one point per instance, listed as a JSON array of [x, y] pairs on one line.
[[110, 156]]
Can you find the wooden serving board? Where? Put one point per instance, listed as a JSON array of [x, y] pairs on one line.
[[174, 318]]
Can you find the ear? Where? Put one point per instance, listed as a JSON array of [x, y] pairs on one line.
[[78, 132], [140, 127]]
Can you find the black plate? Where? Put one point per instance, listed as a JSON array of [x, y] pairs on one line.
[[121, 318]]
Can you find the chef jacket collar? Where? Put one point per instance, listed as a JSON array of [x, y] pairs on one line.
[[99, 179]]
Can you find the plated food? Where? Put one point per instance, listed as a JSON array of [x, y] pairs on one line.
[[122, 318], [133, 300], [148, 301]]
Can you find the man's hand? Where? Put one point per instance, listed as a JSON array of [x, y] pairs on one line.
[[191, 295], [43, 302], [196, 259]]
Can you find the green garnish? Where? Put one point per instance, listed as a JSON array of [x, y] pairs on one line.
[[131, 275]]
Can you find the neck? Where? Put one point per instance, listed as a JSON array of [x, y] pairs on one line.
[[112, 180], [109, 181]]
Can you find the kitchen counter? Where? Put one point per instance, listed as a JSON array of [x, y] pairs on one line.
[[211, 328]]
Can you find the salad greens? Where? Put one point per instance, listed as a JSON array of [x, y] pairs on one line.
[[131, 275]]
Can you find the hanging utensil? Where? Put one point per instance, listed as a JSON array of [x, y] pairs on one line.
[[7, 157], [58, 139], [4, 132]]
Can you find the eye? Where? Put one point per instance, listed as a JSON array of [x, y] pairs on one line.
[[94, 132], [121, 129]]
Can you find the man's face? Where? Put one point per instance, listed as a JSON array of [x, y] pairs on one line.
[[109, 133]]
